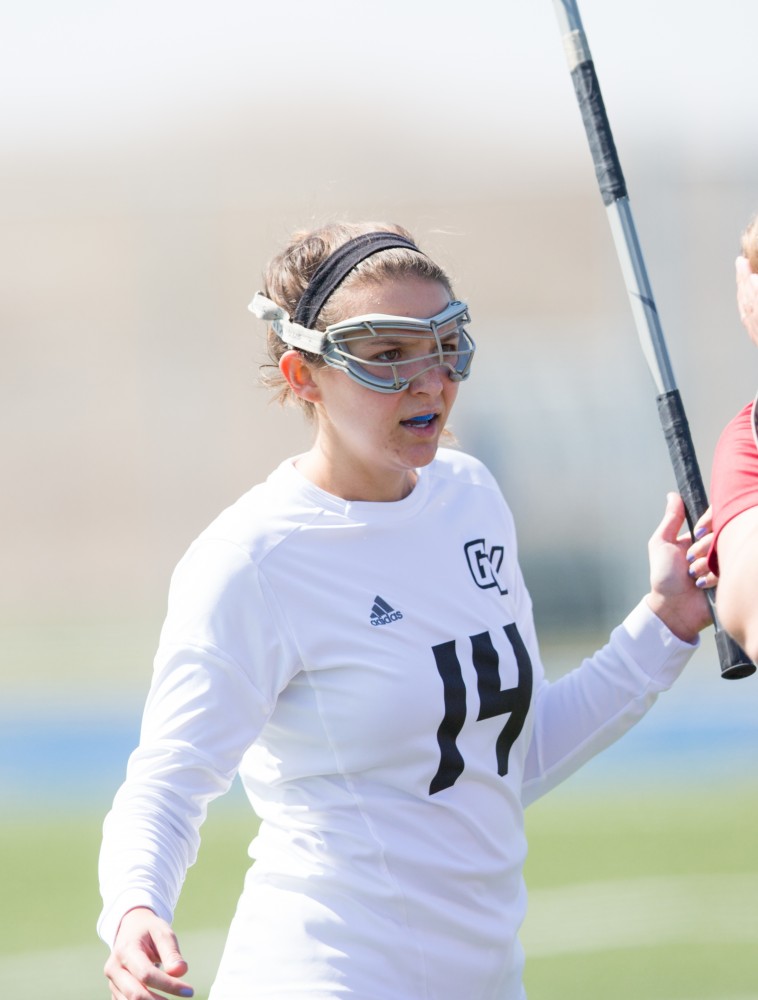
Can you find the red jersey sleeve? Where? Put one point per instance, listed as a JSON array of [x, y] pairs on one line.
[[734, 478]]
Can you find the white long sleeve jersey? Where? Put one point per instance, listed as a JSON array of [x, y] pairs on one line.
[[372, 671]]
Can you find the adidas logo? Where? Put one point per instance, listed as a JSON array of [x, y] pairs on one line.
[[382, 613]]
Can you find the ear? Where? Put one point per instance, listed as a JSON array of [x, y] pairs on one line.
[[299, 376]]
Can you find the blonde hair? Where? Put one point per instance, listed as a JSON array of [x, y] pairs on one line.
[[749, 243], [289, 272]]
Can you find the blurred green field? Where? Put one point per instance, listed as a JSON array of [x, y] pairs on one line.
[[632, 895]]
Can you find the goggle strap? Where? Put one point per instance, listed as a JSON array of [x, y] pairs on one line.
[[292, 334]]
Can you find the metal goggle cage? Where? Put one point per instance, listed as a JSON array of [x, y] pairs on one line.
[[360, 345]]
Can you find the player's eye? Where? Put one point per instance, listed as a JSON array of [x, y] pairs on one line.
[[388, 355]]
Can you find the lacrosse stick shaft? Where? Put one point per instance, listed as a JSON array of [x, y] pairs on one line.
[[734, 662]]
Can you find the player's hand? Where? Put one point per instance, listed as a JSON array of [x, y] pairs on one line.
[[678, 572], [145, 957]]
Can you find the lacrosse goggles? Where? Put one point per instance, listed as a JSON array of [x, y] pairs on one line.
[[373, 349]]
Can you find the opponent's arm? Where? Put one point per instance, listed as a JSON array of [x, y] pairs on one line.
[[737, 595]]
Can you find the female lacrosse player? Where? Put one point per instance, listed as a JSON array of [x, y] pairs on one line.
[[355, 638], [734, 484]]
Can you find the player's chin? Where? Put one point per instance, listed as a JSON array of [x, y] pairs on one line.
[[422, 453]]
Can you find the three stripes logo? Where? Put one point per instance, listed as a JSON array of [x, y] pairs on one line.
[[383, 613]]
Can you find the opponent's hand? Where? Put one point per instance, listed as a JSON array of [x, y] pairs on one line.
[[678, 572], [145, 957], [747, 297]]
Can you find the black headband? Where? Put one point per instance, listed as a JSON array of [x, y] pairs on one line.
[[332, 271]]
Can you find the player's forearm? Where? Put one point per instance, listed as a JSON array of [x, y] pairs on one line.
[[146, 851], [152, 834], [590, 708]]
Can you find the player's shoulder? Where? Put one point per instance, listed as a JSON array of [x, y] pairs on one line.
[[739, 433], [741, 421], [259, 519], [470, 494], [453, 465]]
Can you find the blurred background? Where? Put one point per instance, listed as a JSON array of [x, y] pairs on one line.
[[153, 156]]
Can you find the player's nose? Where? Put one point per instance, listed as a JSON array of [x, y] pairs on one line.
[[430, 380]]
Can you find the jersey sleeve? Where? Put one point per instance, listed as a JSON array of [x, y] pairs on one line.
[[217, 673], [734, 477], [588, 709]]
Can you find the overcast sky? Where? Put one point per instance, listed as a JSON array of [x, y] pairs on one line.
[[91, 71]]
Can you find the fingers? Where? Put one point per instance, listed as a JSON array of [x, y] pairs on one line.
[[169, 956], [697, 553], [701, 574], [670, 531], [671, 523], [134, 977], [704, 524], [672, 597], [146, 961]]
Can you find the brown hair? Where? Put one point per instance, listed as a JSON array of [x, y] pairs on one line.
[[750, 243], [290, 271]]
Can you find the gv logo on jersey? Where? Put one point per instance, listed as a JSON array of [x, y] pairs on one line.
[[485, 565]]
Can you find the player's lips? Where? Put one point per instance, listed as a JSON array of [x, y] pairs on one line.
[[421, 421]]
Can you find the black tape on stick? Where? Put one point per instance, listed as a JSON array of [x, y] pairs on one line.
[[676, 430], [610, 178]]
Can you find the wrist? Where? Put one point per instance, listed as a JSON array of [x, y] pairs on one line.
[[677, 620]]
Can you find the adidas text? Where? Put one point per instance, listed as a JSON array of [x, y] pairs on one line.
[[386, 619]]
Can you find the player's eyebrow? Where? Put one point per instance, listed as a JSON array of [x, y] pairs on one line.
[[411, 337], [387, 340]]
